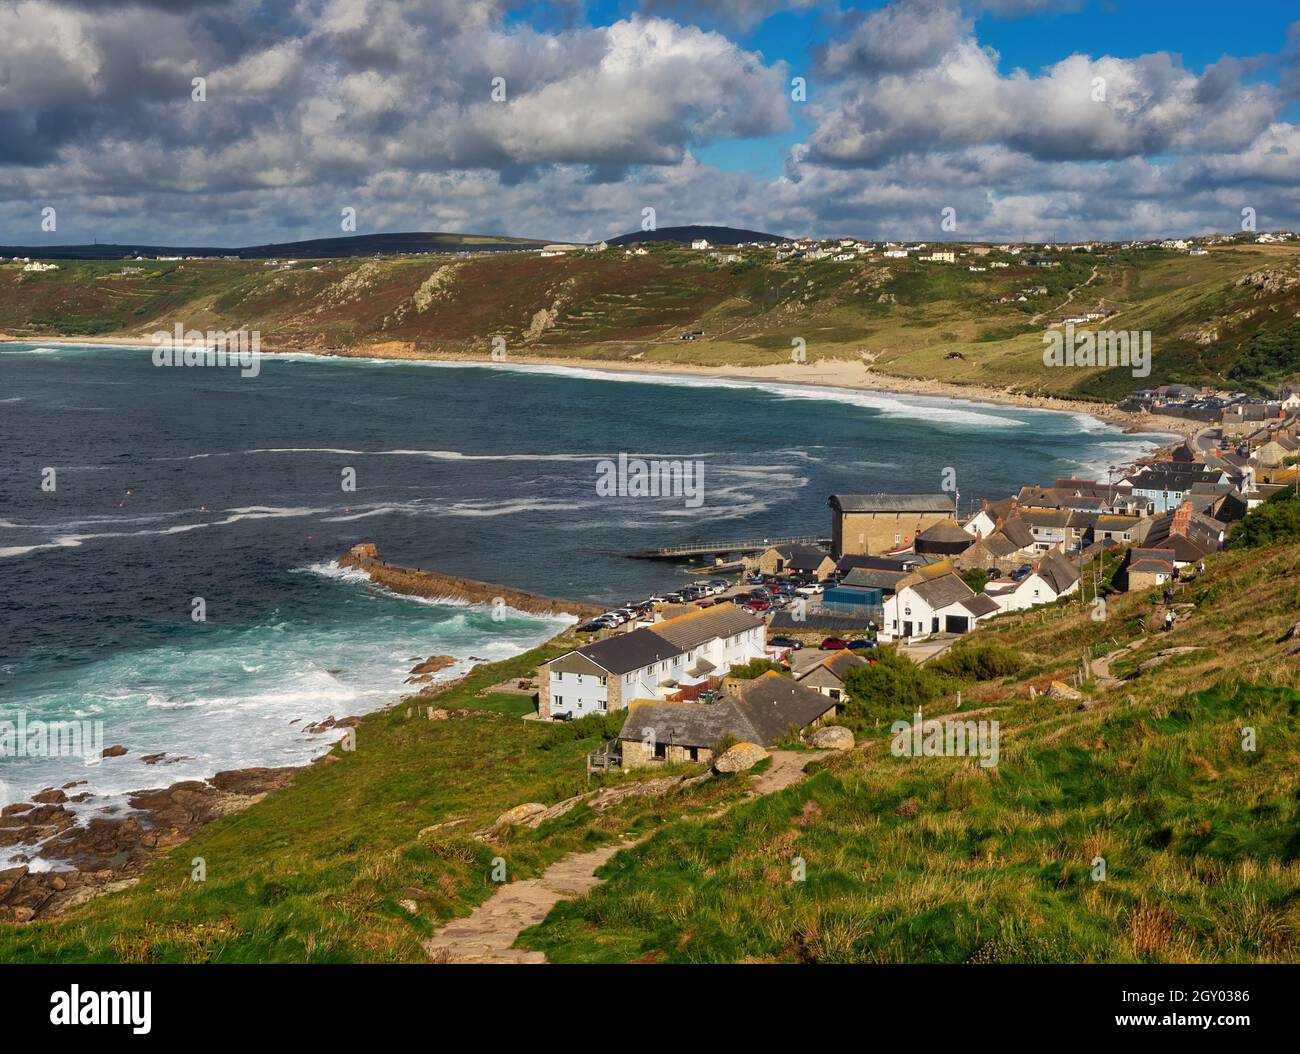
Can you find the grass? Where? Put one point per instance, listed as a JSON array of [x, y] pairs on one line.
[[942, 860], [903, 316], [315, 872]]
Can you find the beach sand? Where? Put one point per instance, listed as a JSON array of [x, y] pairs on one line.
[[833, 373]]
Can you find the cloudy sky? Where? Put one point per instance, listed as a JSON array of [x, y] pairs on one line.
[[1031, 118]]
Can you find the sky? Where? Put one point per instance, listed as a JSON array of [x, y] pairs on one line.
[[1030, 119]]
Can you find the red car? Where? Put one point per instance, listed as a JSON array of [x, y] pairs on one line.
[[834, 644], [758, 605]]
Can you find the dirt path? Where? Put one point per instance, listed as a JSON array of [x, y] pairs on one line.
[[490, 931]]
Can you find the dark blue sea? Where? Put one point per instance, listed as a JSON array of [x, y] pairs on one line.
[[172, 484]]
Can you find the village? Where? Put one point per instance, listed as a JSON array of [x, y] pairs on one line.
[[762, 659]]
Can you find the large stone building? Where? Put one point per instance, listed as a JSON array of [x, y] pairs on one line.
[[881, 523]]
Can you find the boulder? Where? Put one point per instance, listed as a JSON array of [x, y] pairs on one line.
[[830, 737], [520, 814], [114, 751], [432, 664], [1061, 690], [741, 757]]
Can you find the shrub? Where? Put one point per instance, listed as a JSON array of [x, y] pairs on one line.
[[977, 662], [1277, 520], [593, 726], [891, 687]]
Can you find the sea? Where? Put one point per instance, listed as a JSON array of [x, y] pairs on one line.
[[168, 535]]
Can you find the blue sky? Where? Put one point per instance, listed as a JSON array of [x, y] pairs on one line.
[[989, 107]]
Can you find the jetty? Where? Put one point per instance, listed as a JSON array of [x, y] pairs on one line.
[[435, 585], [694, 550]]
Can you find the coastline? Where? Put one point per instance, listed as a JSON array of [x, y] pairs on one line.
[[108, 849], [825, 373]]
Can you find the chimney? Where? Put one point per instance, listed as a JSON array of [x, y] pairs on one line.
[[1182, 519]]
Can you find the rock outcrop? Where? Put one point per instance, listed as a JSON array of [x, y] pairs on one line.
[[741, 758], [830, 737]]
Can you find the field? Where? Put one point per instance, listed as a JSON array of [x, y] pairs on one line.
[[903, 317]]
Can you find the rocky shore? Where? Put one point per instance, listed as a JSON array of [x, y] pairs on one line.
[[438, 586], [108, 851]]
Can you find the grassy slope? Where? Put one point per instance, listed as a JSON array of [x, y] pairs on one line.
[[315, 872], [904, 316], [938, 859]]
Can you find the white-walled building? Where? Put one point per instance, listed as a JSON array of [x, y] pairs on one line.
[[650, 663]]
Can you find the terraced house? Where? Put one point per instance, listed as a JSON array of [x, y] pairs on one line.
[[662, 662]]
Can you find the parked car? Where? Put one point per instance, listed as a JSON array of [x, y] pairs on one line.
[[758, 604], [674, 598], [859, 645], [834, 644], [657, 599], [1021, 572], [754, 580], [793, 643], [705, 602], [721, 583], [592, 627], [811, 589]]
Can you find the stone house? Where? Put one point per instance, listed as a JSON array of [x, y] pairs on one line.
[[762, 711], [795, 559], [828, 675]]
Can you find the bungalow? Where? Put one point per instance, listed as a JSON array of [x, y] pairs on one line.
[[828, 675], [760, 711], [943, 603], [881, 523], [1146, 568], [1051, 577], [649, 663], [1121, 530], [796, 559]]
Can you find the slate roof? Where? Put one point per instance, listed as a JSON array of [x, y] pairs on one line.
[[892, 502], [943, 591], [690, 631], [1057, 571], [1017, 533], [758, 711], [979, 605], [945, 531], [625, 652], [771, 704], [868, 578]]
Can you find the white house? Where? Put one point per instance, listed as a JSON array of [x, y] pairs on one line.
[[699, 243], [942, 604], [652, 663], [1052, 576]]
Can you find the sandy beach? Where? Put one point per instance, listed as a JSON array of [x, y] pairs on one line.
[[827, 373]]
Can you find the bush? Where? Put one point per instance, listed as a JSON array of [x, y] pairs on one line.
[[977, 662], [892, 687], [1277, 520], [977, 578], [756, 668], [593, 726]]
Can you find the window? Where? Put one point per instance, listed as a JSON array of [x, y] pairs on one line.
[[897, 537], [559, 675], [604, 704], [604, 681], [558, 701], [627, 679]]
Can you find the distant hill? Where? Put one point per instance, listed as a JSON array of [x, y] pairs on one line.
[[713, 235], [312, 249]]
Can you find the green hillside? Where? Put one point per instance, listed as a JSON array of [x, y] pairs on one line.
[[1229, 317]]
